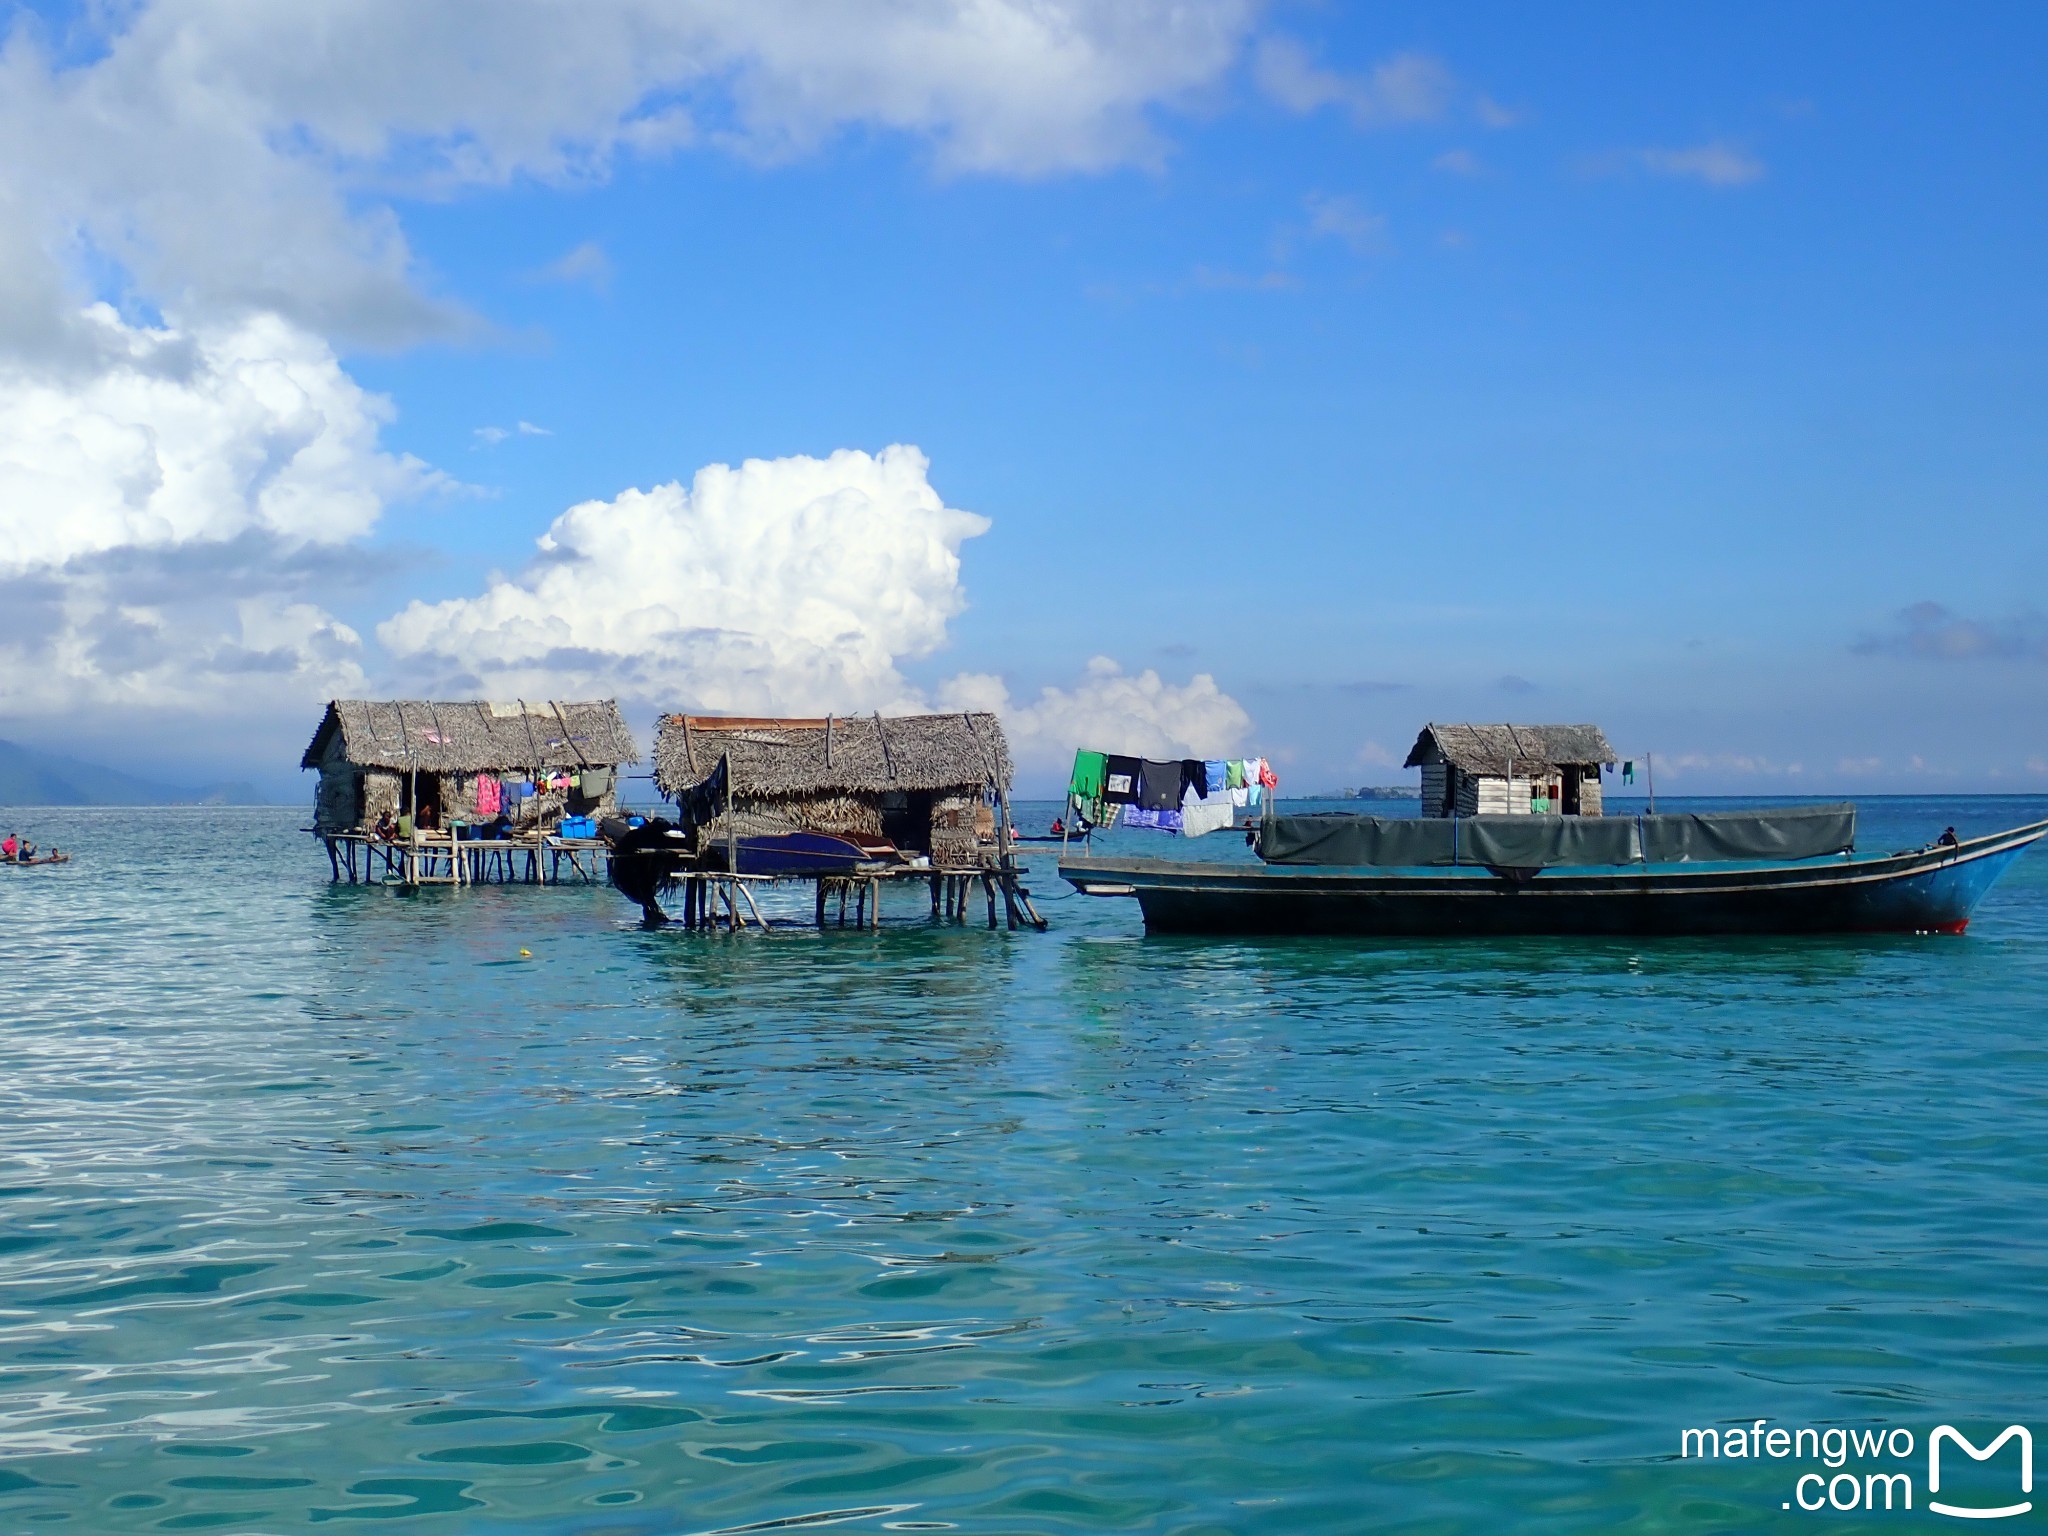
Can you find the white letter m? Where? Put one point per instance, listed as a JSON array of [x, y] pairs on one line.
[[1967, 1512]]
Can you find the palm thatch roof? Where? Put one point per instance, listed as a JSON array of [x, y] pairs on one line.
[[838, 754], [1488, 749], [474, 736]]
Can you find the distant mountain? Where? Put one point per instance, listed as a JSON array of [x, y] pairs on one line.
[[32, 777]]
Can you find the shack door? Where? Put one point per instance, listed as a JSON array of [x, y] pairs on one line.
[[907, 820]]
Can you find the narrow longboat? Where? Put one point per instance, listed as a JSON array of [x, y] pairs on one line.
[[1764, 872]]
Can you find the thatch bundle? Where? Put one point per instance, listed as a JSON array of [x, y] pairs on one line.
[[1533, 749], [836, 757], [472, 736]]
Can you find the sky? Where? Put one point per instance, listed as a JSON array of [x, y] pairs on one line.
[[1190, 377]]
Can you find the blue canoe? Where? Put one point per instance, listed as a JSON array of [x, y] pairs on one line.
[[1929, 890]]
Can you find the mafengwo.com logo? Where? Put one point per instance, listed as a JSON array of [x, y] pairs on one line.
[[1845, 1469]]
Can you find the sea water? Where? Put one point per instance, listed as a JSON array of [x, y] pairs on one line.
[[484, 1210]]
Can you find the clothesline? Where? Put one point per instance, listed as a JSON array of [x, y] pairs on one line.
[[1190, 796]]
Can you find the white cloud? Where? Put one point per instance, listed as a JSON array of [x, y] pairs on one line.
[[1717, 164], [792, 584], [164, 497], [528, 429], [234, 157], [587, 263], [1110, 710], [1345, 219], [161, 436], [1407, 88]]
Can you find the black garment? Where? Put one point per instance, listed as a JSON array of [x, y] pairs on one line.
[[1159, 785], [1120, 781], [704, 800], [1193, 775]]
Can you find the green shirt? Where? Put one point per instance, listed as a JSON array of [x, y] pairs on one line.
[[1091, 769]]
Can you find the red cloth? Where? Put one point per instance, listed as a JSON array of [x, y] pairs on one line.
[[1267, 776], [490, 796]]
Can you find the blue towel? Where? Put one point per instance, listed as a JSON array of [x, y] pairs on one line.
[[1158, 821], [1217, 773]]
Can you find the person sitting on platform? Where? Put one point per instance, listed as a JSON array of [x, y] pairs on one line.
[[386, 829]]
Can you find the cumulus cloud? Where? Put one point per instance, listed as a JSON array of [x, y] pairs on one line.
[[1110, 710], [587, 264], [1929, 631], [164, 437], [168, 499], [232, 173], [234, 157], [792, 584]]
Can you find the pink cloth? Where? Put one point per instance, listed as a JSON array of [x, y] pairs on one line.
[[490, 796], [1267, 776]]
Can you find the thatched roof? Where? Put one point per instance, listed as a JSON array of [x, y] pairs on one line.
[[1487, 749], [844, 754], [474, 736]]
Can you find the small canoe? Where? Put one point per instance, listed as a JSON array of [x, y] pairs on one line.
[[54, 858]]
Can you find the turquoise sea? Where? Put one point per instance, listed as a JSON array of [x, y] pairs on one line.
[[326, 1208]]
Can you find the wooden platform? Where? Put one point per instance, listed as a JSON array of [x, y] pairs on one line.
[[430, 858]]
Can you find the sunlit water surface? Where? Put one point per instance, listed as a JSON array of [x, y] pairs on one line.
[[325, 1204]]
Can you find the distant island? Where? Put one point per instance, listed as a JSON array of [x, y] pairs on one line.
[[1376, 792], [29, 776]]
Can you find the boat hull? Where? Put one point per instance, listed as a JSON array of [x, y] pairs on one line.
[[1930, 891]]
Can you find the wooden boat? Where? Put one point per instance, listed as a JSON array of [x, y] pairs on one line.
[[49, 858], [1927, 890], [797, 855]]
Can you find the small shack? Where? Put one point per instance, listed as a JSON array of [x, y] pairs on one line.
[[926, 784], [427, 760], [1510, 770]]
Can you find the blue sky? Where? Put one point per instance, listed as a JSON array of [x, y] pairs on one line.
[[1679, 372]]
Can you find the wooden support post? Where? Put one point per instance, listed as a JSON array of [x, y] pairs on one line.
[[935, 895], [1008, 882], [860, 905], [760, 922], [821, 903], [876, 911], [842, 903], [988, 889]]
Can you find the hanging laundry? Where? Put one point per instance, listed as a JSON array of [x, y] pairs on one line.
[[1233, 774], [1194, 778], [1120, 780], [1216, 776], [1252, 792], [1267, 776], [1240, 795], [1159, 784], [1199, 817], [490, 795], [1091, 769], [1154, 820]]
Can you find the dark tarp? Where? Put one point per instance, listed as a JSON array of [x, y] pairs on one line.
[[1797, 832], [1342, 839], [1541, 842]]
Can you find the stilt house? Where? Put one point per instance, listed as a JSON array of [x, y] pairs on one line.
[[412, 757], [1510, 770], [926, 784]]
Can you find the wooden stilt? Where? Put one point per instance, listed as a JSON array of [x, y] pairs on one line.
[[760, 922], [821, 902], [860, 905], [988, 889], [935, 895]]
